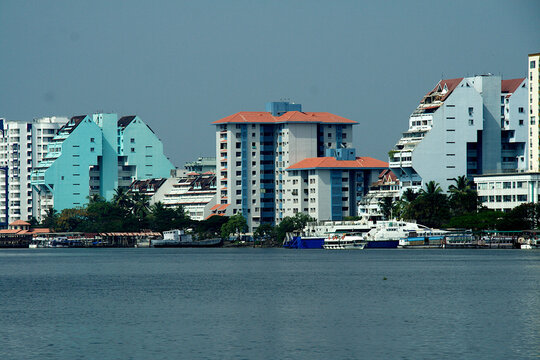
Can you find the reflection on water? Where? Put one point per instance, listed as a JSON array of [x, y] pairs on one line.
[[269, 304]]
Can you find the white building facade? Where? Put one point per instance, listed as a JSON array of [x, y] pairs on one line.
[[22, 146], [505, 191], [330, 188], [254, 149], [464, 126], [533, 99]]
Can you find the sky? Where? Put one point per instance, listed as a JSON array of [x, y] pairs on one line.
[[180, 65]]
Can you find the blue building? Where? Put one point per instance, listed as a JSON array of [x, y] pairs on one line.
[[94, 155]]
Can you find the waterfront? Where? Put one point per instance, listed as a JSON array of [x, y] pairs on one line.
[[269, 304]]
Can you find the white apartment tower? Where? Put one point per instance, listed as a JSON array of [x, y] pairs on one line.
[[254, 149], [534, 111], [22, 145], [464, 126]]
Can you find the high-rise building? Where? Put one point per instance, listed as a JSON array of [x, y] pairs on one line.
[[464, 126], [22, 146], [94, 155], [534, 111], [256, 154]]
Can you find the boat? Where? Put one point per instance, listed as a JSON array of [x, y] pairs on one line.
[[399, 233], [178, 238], [344, 242], [314, 234]]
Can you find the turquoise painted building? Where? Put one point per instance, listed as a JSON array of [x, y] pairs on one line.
[[94, 155]]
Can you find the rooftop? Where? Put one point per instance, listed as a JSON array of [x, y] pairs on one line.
[[262, 117], [331, 163]]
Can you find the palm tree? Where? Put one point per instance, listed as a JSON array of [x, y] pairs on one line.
[[386, 205], [122, 198], [432, 189], [140, 205], [463, 197]]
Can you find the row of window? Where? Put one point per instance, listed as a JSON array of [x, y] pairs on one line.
[[502, 198]]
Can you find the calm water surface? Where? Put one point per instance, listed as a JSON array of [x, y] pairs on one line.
[[269, 304]]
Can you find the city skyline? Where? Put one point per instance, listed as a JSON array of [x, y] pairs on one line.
[[185, 65]]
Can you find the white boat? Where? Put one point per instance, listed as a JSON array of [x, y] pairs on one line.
[[394, 233], [344, 242]]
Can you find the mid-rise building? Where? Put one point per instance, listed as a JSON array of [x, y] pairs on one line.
[[263, 158], [94, 155], [386, 186], [22, 146], [201, 165], [193, 191], [533, 100], [464, 126], [330, 188], [505, 191]]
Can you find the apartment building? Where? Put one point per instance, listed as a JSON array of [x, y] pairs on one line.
[[505, 191], [464, 126], [94, 155], [533, 99], [330, 187], [22, 146], [256, 152]]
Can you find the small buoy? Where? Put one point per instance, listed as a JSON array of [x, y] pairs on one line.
[[384, 278]]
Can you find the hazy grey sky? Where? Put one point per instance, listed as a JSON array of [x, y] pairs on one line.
[[180, 65]]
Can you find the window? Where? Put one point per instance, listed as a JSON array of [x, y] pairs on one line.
[[521, 122], [132, 140], [532, 64], [91, 149], [471, 122], [521, 110], [92, 140], [132, 150], [471, 111]]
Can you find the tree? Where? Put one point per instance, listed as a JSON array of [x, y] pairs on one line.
[[430, 208], [289, 224], [235, 225], [386, 205], [122, 198], [264, 231], [50, 219], [463, 198]]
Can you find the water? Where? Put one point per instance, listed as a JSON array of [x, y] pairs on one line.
[[269, 304]]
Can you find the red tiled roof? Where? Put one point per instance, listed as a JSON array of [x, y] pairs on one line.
[[223, 207], [289, 117], [332, 163], [19, 222], [510, 85], [209, 216], [451, 84], [192, 174], [40, 230], [215, 207], [11, 231]]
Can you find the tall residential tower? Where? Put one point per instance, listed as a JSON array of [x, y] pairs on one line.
[[94, 155]]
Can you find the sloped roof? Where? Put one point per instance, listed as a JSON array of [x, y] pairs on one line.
[[289, 117], [510, 85], [125, 120], [331, 163], [20, 222], [451, 84], [72, 124]]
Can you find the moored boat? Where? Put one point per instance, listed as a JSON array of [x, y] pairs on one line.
[[178, 238], [344, 242]]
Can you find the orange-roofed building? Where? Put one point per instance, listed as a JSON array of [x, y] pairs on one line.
[[464, 126], [255, 148], [330, 187]]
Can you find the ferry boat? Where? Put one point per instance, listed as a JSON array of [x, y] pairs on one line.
[[394, 233], [313, 236], [344, 242], [178, 238]]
